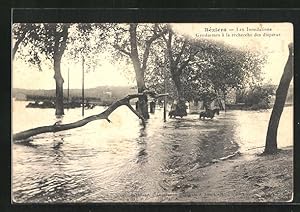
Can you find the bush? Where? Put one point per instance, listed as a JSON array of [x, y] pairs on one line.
[[256, 98]]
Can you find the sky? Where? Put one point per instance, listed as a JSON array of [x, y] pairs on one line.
[[112, 72], [276, 47]]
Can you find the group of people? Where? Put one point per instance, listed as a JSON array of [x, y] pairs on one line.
[[179, 109]]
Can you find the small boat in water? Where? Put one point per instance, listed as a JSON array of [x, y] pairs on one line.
[[50, 104], [41, 104]]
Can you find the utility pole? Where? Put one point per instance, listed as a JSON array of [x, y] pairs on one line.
[[82, 91]]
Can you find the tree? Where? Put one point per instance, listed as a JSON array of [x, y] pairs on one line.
[[86, 40], [134, 41], [201, 69], [47, 41], [179, 52], [218, 68], [281, 94], [198, 89], [157, 76], [20, 34], [257, 96]]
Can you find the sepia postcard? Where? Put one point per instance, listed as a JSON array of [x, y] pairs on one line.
[[152, 112]]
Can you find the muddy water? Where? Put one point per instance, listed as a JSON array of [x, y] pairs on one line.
[[121, 161]]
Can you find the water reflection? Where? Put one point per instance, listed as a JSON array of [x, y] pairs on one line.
[[143, 132], [122, 161], [27, 143], [142, 146], [57, 144]]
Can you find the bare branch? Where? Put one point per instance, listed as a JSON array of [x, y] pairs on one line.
[[80, 123], [133, 45], [116, 46], [146, 54], [136, 113], [104, 115], [147, 49], [16, 45], [158, 27], [161, 95]]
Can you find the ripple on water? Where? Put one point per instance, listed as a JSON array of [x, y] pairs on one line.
[[122, 161]]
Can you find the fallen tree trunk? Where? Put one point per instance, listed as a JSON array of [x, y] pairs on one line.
[[104, 115]]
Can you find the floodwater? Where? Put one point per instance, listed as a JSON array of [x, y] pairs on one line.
[[121, 161]]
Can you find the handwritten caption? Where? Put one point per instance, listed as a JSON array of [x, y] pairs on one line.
[[214, 32]]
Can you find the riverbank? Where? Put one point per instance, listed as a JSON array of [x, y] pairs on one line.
[[244, 179], [254, 107]]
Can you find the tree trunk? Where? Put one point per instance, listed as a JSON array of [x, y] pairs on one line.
[[59, 48], [178, 85], [281, 93], [176, 71], [181, 107], [16, 46], [142, 105], [59, 81], [224, 96]]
